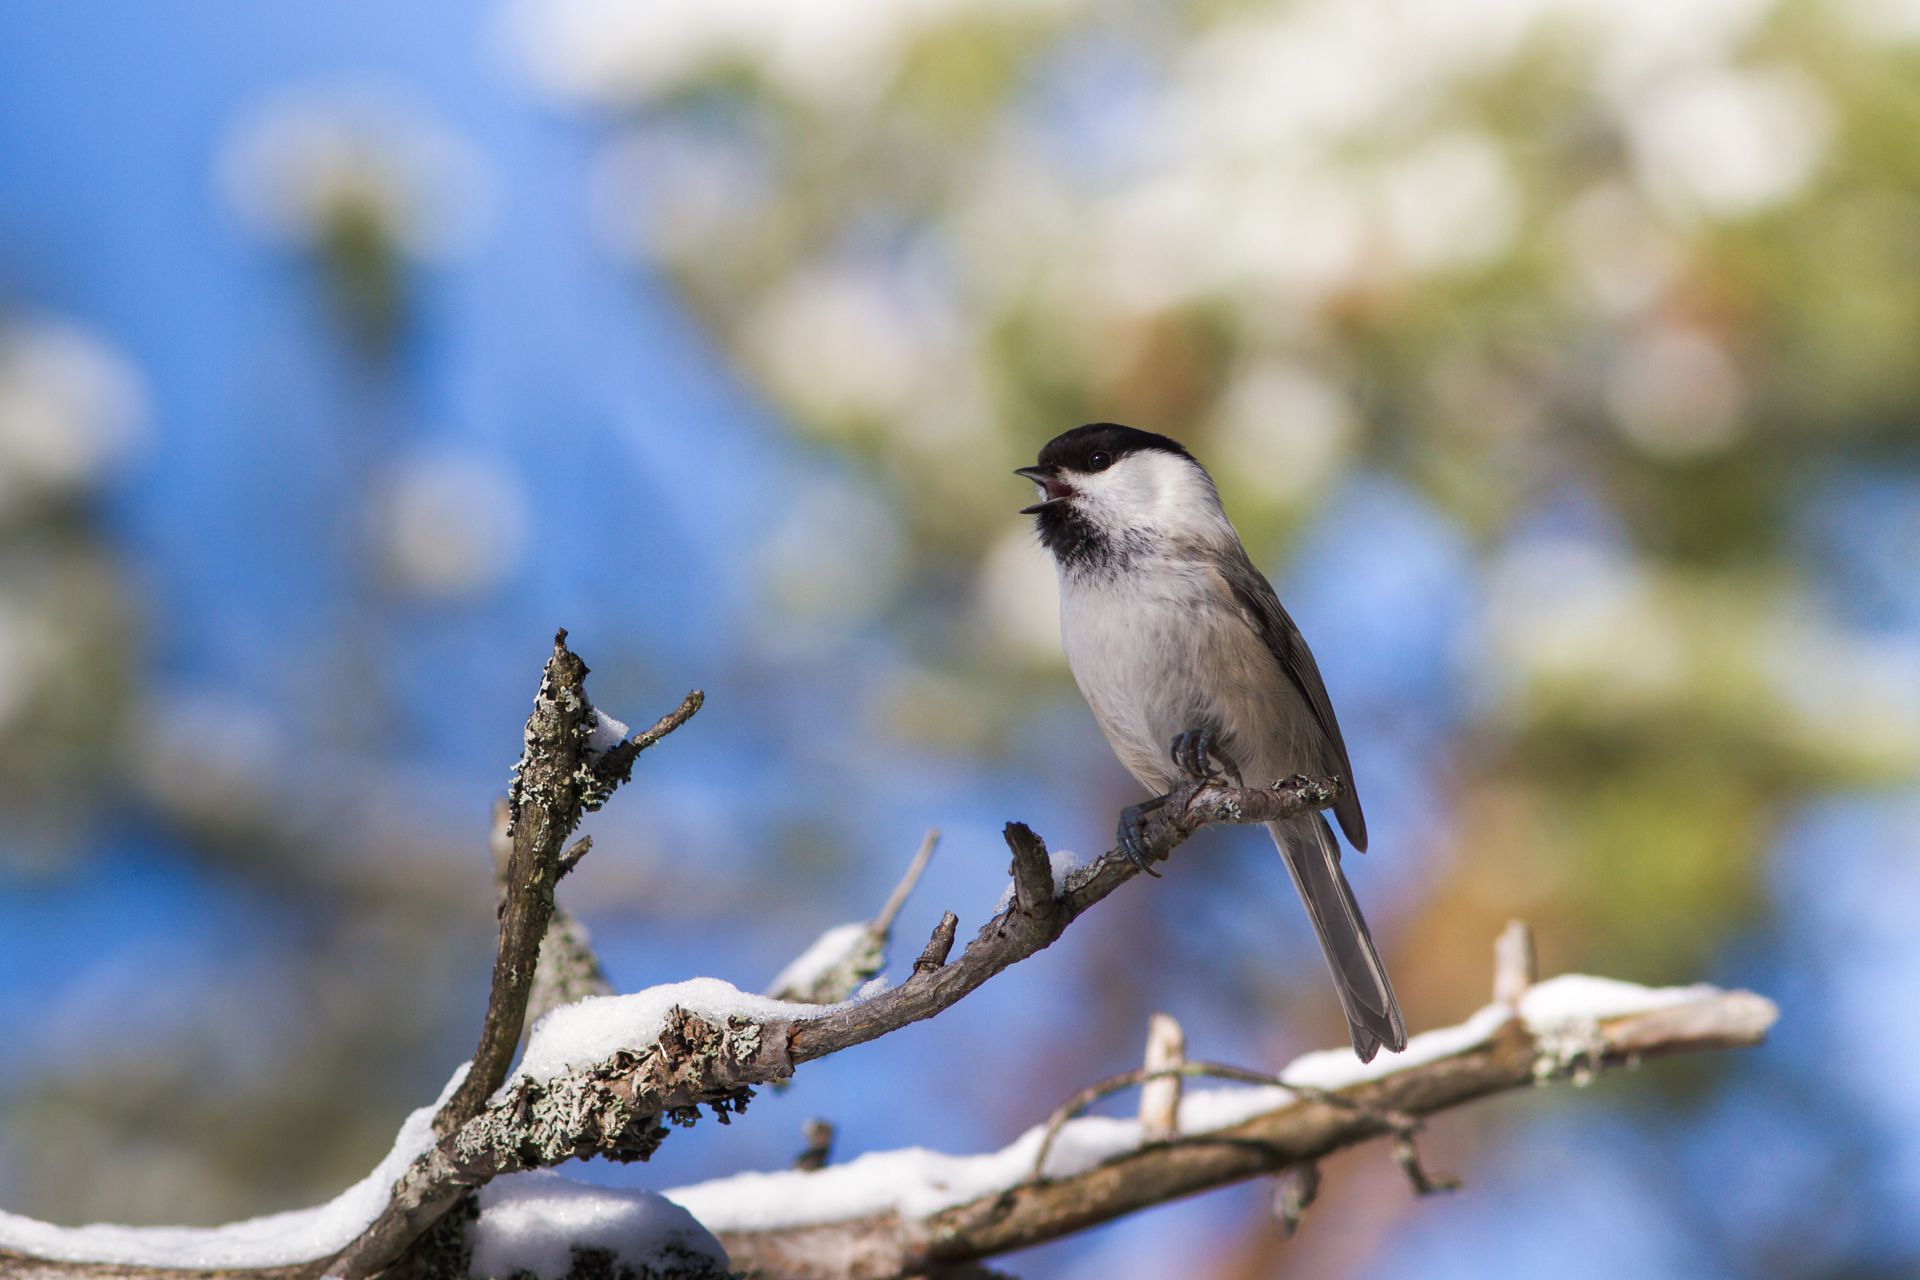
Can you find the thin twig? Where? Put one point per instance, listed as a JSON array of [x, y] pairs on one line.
[[883, 922], [554, 782], [1032, 870], [1017, 933], [1515, 967], [819, 1136], [938, 946], [1086, 1097], [1160, 1099], [1299, 1187]]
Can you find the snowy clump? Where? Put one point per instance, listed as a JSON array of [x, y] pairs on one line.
[[913, 1182], [1564, 1016], [275, 1240], [1574, 996], [580, 1035], [538, 1222], [1064, 863], [604, 733]]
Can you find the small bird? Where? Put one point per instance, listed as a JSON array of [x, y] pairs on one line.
[[1194, 671]]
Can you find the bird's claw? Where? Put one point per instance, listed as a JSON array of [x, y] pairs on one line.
[[1131, 837], [1198, 754]]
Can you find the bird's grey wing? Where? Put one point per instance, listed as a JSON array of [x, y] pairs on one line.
[[1313, 859], [1264, 612]]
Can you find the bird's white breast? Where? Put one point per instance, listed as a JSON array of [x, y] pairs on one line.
[[1161, 648]]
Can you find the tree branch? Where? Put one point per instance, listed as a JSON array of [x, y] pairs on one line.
[[1303, 1129], [614, 1109], [1035, 919]]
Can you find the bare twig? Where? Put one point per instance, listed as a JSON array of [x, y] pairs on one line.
[[1407, 1156], [567, 970], [1017, 933], [616, 766], [1298, 1187], [1086, 1097], [883, 922], [938, 946], [1514, 966], [544, 805], [555, 781], [819, 1136], [1032, 870], [1160, 1097]]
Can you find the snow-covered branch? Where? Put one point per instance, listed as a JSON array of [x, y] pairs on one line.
[[908, 1213]]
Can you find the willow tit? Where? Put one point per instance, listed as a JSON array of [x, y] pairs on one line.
[[1193, 671]]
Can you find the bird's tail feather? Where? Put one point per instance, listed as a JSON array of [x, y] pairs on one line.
[[1313, 859]]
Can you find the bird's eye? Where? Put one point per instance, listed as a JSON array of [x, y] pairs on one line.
[[1099, 462]]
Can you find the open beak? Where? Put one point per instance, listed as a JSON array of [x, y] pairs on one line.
[[1056, 489]]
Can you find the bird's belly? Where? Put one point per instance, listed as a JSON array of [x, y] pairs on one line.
[[1152, 668]]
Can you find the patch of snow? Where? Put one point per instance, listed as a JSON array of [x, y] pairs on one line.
[[914, 1182], [827, 951], [533, 1221], [1576, 996], [275, 1240], [589, 1031], [1204, 1110], [1338, 1068], [605, 734]]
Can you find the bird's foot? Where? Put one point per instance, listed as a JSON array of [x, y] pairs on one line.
[[1197, 753], [1131, 837]]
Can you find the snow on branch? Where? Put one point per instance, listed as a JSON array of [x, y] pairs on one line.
[[907, 1213]]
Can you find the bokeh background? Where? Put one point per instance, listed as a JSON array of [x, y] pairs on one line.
[[1560, 360]]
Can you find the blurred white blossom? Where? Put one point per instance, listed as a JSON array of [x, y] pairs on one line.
[[69, 406], [1860, 693], [1451, 202], [28, 643], [1621, 259], [453, 524], [297, 164], [1283, 430], [1723, 142], [1675, 393], [623, 52], [662, 192], [844, 343], [834, 556]]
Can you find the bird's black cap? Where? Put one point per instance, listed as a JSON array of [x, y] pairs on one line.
[[1074, 450]]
